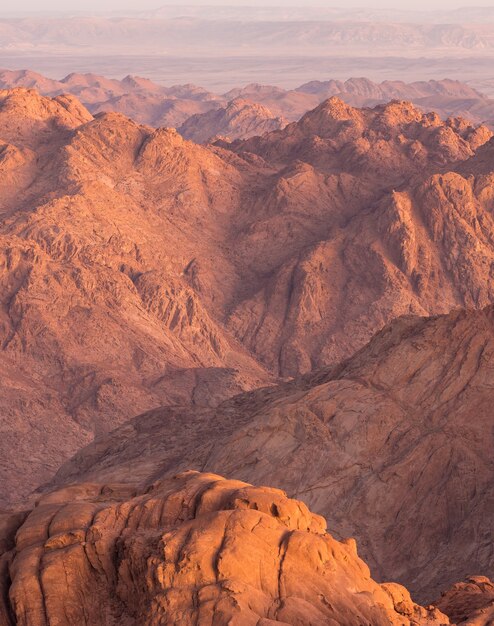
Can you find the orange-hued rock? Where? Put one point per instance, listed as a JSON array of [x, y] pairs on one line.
[[194, 549], [100, 318], [240, 119], [393, 446], [28, 119], [138, 269], [383, 221], [156, 110]]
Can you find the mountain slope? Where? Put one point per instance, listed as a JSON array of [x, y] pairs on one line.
[[134, 260], [392, 445], [240, 119], [94, 301], [351, 188]]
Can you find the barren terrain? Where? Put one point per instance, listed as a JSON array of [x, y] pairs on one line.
[[140, 269]]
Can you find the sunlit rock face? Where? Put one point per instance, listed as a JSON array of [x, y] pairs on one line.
[[140, 270], [196, 549]]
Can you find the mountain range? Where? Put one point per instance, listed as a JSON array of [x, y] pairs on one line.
[[227, 31], [136, 260], [310, 309], [240, 113]]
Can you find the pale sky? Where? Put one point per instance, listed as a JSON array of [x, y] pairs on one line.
[[139, 5]]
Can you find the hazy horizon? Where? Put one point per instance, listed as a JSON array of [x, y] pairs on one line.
[[32, 6], [246, 41]]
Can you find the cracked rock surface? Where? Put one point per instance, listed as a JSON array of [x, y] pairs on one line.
[[194, 549]]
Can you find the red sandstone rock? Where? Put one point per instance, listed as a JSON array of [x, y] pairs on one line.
[[196, 549]]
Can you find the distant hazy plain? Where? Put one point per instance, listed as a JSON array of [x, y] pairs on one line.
[[223, 47]]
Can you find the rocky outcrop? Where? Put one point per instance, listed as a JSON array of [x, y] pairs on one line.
[[195, 549], [469, 603], [37, 119]]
